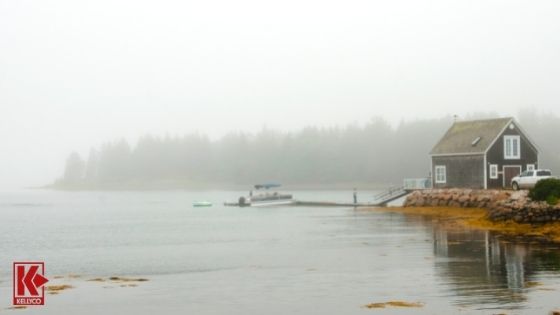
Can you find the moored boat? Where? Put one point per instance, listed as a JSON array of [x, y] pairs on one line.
[[265, 197]]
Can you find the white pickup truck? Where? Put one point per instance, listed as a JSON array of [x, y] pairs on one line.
[[529, 179]]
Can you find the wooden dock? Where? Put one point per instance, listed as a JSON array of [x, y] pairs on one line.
[[302, 203], [380, 200], [330, 204], [314, 204]]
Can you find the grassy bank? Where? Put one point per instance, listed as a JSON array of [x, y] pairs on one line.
[[476, 218]]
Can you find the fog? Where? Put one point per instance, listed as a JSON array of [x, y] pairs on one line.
[[76, 75]]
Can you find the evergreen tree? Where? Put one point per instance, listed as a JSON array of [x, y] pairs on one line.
[[74, 170]]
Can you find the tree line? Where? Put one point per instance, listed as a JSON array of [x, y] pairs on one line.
[[374, 153]]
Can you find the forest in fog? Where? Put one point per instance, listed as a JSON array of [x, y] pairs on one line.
[[372, 154]]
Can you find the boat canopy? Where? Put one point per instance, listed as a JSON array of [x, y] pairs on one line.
[[267, 186]]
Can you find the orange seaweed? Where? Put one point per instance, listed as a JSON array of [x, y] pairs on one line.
[[477, 218]]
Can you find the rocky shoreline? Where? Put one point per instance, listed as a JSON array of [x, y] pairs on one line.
[[502, 205]]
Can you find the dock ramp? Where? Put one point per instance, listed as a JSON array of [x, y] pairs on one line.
[[389, 195], [394, 193]]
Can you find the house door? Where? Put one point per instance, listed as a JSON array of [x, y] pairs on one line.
[[509, 173]]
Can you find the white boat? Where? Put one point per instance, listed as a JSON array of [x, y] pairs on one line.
[[265, 198]]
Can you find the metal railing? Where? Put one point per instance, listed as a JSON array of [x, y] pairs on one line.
[[408, 185], [417, 183], [389, 193]]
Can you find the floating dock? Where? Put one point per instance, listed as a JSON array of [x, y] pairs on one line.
[[313, 204], [330, 204], [381, 200], [302, 203]]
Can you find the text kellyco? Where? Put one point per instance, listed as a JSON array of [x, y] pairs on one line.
[[29, 281]]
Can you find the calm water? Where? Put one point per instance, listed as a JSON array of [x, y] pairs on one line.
[[223, 260]]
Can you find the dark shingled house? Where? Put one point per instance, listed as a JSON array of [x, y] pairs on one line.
[[482, 154]]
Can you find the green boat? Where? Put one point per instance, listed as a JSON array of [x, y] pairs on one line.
[[202, 204]]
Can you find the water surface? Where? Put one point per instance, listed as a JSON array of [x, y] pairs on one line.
[[283, 260]]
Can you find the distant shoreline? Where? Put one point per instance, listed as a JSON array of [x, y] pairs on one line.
[[171, 185]]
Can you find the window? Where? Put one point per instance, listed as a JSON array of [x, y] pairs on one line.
[[493, 171], [530, 167], [512, 147], [441, 176], [544, 173], [529, 173]]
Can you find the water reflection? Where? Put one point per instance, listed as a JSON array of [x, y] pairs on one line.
[[480, 267]]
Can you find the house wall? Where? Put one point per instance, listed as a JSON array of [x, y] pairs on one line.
[[464, 171], [528, 155]]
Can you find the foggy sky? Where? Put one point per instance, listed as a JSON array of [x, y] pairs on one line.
[[75, 74]]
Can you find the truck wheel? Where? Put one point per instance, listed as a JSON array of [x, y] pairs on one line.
[[515, 186]]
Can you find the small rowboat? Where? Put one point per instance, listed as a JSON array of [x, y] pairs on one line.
[[202, 204]]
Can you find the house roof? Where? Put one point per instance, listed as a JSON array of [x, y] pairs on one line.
[[470, 137]]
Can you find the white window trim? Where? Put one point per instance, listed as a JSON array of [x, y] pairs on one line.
[[443, 169], [493, 171], [530, 167], [512, 157]]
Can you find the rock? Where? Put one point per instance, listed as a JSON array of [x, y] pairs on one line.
[[501, 205], [520, 194], [463, 199], [502, 196]]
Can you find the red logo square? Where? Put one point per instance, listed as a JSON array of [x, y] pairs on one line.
[[29, 283]]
